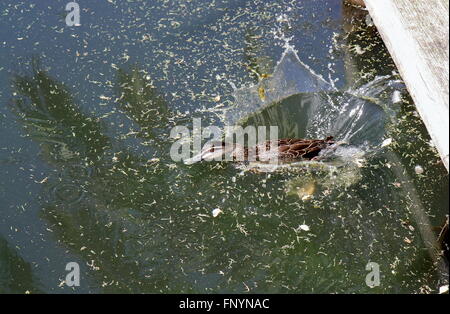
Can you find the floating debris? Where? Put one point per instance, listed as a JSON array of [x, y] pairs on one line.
[[304, 227], [360, 162], [443, 289], [386, 142], [42, 181], [262, 93], [369, 21], [396, 97], [419, 169], [216, 212]]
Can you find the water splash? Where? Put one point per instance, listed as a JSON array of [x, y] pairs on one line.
[[290, 77], [303, 104]]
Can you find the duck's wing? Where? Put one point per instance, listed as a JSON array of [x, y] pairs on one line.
[[302, 148]]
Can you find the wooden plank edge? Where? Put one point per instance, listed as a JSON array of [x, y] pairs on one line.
[[419, 81]]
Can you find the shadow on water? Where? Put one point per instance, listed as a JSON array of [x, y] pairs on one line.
[[49, 116], [128, 217], [142, 104], [16, 275], [92, 187]]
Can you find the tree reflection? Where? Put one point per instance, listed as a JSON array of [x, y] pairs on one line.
[[47, 112], [107, 201], [139, 99], [16, 275]]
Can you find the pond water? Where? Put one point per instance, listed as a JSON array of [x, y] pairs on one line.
[[86, 174]]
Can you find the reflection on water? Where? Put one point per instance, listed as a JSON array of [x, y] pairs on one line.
[[16, 275], [46, 110], [91, 179]]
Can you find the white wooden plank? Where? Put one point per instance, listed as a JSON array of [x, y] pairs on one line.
[[416, 34]]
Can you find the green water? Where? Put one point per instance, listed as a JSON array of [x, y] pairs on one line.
[[86, 175]]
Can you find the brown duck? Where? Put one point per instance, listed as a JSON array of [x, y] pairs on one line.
[[285, 150]]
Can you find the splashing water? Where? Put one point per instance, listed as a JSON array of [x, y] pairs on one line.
[[290, 77], [302, 104]]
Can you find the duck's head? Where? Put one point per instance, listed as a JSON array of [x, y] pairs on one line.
[[212, 151]]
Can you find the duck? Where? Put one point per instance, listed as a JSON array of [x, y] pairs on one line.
[[284, 150]]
